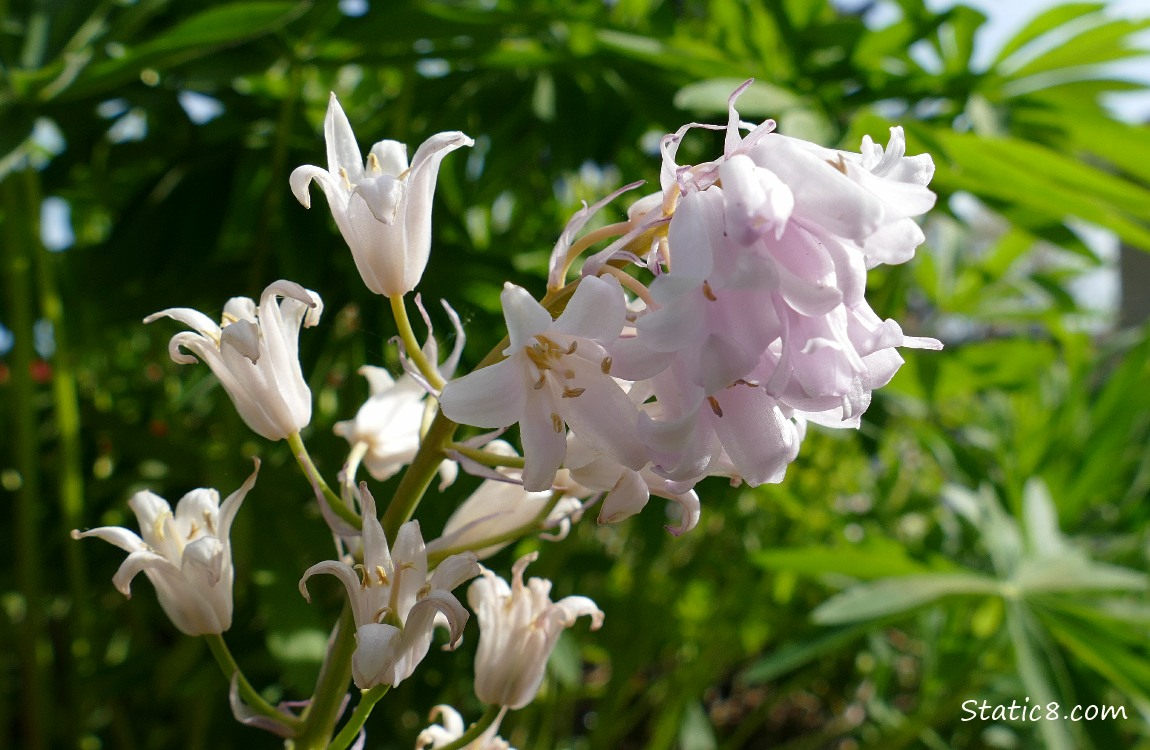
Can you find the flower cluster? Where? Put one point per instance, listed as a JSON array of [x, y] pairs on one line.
[[754, 323], [728, 315]]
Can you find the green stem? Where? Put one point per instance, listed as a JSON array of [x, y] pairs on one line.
[[480, 456], [354, 724], [475, 730], [250, 695], [414, 352], [330, 687], [418, 475], [66, 407], [299, 450], [18, 247]]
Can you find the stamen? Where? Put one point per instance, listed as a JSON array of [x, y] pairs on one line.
[[346, 182], [381, 575], [840, 164], [373, 163], [572, 392], [708, 292], [364, 580], [574, 345], [605, 365], [210, 522], [568, 374], [540, 382], [556, 422], [715, 406]]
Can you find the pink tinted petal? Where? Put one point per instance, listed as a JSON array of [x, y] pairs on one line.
[[543, 445], [596, 310], [525, 317]]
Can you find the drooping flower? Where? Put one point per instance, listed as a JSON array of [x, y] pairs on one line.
[[441, 735], [519, 626], [497, 509], [255, 354], [394, 602], [186, 555], [383, 207], [556, 372], [386, 427]]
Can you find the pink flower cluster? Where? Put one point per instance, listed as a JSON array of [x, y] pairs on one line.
[[754, 323]]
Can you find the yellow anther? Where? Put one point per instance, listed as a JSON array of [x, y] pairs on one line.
[[381, 575], [373, 163], [556, 422], [346, 181], [364, 580], [708, 292], [574, 345], [538, 385], [605, 365], [715, 406], [572, 392]]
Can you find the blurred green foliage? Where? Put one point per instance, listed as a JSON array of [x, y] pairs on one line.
[[981, 537]]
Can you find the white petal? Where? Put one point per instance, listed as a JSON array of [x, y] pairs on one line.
[[525, 317], [488, 397], [342, 150]]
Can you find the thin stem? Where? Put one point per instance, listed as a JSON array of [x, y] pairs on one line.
[[299, 450], [418, 475], [428, 369], [489, 716], [251, 696], [589, 239], [435, 558], [629, 281], [353, 726], [480, 456], [330, 687]]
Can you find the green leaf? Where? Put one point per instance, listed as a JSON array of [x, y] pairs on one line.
[[891, 596], [1029, 644], [195, 37], [1075, 572], [1043, 23], [1103, 43], [1041, 519], [878, 559], [1124, 668], [695, 731], [791, 656], [761, 99]]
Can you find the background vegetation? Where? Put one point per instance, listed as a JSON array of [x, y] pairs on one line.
[[983, 536]]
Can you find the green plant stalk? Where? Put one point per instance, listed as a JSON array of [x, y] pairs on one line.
[[251, 696], [476, 729], [299, 450], [66, 408], [18, 247], [414, 352], [351, 729], [330, 688], [418, 475], [481, 456]]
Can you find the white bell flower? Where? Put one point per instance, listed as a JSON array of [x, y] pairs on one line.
[[519, 626], [186, 555], [383, 207], [255, 354], [394, 603]]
